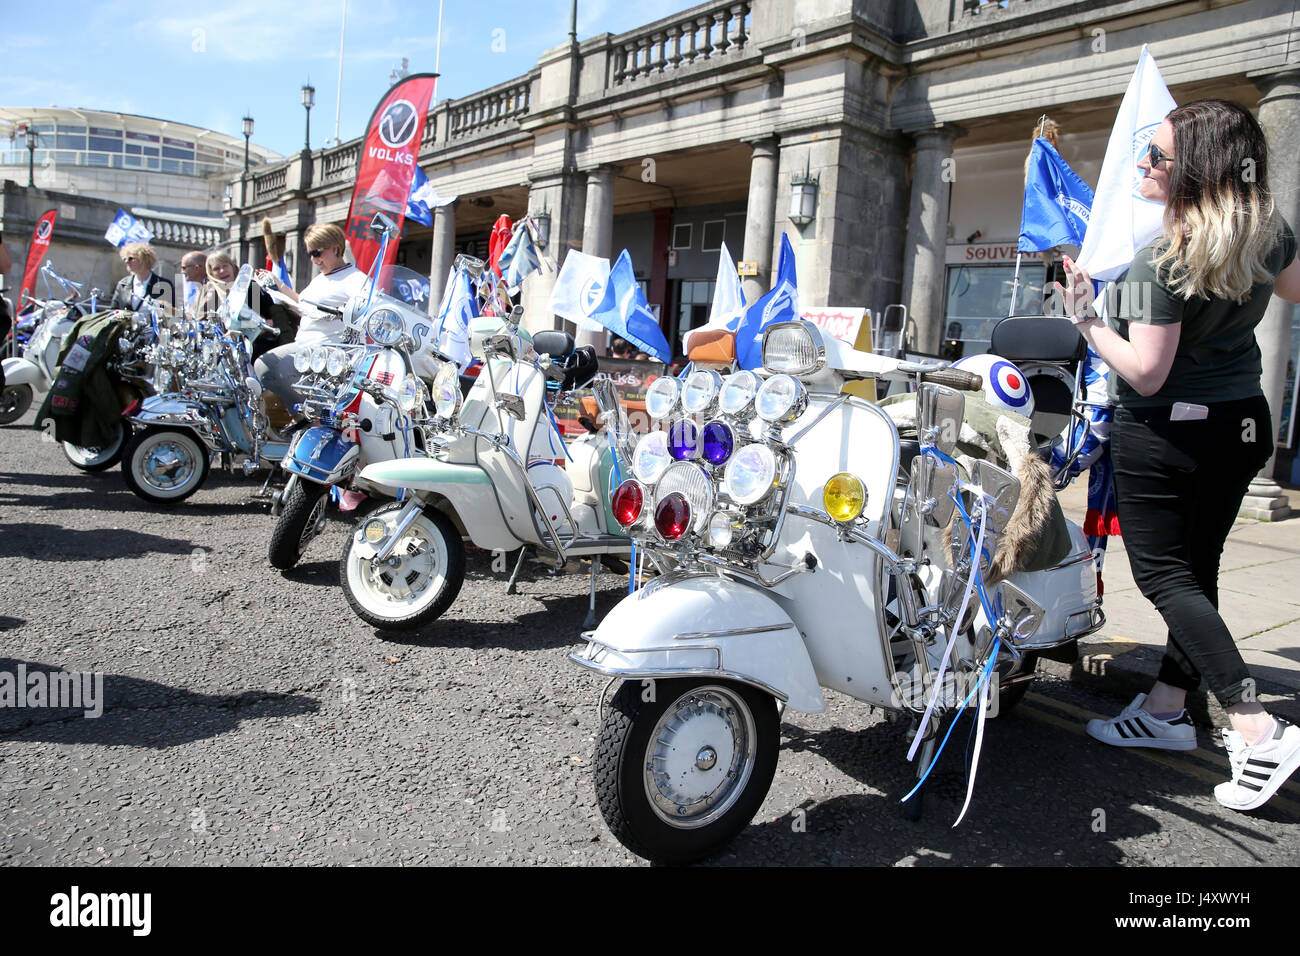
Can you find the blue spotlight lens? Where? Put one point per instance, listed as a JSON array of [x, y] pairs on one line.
[[718, 443], [683, 440]]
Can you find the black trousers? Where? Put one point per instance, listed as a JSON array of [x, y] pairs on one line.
[[1179, 486]]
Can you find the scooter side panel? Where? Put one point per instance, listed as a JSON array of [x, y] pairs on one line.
[[839, 607], [1067, 594], [321, 455], [466, 487], [705, 625], [19, 371]]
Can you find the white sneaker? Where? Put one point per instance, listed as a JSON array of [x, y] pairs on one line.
[[1258, 771], [1134, 727]]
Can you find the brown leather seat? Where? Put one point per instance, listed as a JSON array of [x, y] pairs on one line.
[[713, 347]]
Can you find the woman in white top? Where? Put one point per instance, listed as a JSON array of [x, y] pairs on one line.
[[336, 282]]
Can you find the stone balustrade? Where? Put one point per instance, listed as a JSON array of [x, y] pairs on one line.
[[703, 33], [504, 103], [168, 232], [271, 183]]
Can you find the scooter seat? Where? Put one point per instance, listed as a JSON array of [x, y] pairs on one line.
[[1037, 338], [554, 342]]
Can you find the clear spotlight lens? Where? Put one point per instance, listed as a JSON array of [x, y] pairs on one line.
[[384, 326], [336, 362], [446, 391], [651, 457], [750, 475], [700, 390], [317, 360], [661, 397], [412, 394], [737, 392], [781, 399], [722, 529], [302, 361]]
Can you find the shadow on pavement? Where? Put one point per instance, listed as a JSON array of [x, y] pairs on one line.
[[139, 713], [45, 542]]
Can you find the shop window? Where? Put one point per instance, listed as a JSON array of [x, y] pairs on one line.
[[979, 296]]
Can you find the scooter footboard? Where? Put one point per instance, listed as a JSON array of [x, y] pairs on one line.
[[705, 626]]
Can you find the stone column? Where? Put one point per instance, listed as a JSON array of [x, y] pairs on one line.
[[563, 197], [444, 252], [1279, 115], [760, 217], [598, 234], [927, 232]]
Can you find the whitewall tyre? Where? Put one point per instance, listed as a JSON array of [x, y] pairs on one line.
[[164, 465]]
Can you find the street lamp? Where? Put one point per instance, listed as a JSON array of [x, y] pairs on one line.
[[31, 156], [248, 132], [308, 101]]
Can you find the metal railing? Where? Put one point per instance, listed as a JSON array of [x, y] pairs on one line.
[[698, 35]]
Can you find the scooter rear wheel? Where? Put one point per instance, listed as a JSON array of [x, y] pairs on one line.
[[14, 402], [164, 465], [680, 774], [426, 574], [97, 459]]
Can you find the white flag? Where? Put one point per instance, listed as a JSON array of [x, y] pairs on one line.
[[580, 289], [728, 300], [1122, 221]]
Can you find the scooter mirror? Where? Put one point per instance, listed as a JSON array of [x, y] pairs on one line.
[[932, 485], [1003, 487], [939, 414], [1019, 615], [514, 406], [382, 224]]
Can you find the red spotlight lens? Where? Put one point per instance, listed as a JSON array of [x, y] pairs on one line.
[[673, 516], [627, 502]]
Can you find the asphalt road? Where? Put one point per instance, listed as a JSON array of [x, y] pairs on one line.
[[250, 717]]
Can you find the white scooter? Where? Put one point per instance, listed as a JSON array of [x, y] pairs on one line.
[[491, 477], [34, 370], [799, 548]]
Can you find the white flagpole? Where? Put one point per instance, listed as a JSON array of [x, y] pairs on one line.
[[338, 99], [437, 53], [1015, 287]]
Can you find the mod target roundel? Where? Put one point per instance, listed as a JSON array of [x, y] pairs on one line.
[[1005, 385]]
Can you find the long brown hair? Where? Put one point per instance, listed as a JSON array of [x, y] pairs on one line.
[[1220, 223]]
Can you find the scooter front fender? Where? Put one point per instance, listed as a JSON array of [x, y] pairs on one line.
[[19, 371], [704, 625], [467, 490]]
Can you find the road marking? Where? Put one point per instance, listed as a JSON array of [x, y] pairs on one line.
[[1190, 763]]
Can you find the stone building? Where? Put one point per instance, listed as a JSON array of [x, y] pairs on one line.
[[89, 163], [908, 120]]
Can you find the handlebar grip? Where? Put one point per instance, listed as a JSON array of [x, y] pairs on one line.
[[337, 313], [955, 378]]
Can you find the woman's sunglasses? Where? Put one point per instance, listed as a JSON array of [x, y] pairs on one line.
[[1155, 157], [315, 253]]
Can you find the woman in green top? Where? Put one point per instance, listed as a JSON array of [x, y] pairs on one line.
[[1192, 426]]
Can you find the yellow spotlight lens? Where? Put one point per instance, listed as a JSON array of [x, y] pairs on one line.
[[374, 530], [844, 497]]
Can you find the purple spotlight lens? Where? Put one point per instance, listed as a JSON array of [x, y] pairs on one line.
[[718, 443], [683, 440]]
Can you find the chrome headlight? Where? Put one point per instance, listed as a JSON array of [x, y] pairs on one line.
[[737, 392], [700, 390], [446, 391], [317, 359], [411, 395], [302, 361], [781, 399], [750, 475], [651, 457], [336, 362], [661, 397], [793, 347], [385, 327], [691, 482], [723, 527]]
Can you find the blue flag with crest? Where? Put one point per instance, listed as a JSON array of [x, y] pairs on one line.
[[779, 305], [1057, 202]]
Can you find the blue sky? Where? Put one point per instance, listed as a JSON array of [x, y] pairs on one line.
[[206, 64]]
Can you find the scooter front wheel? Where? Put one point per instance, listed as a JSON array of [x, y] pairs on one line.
[[164, 465], [419, 579], [682, 765], [14, 402], [97, 459], [301, 520]]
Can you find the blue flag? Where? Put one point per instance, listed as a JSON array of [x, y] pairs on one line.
[[423, 199], [126, 228], [520, 257], [585, 294], [779, 305], [1057, 202], [454, 313]]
